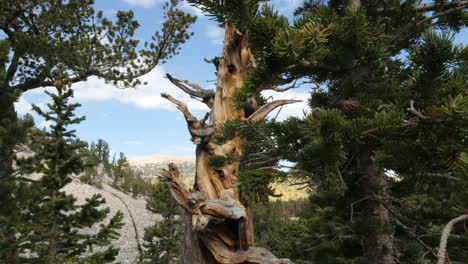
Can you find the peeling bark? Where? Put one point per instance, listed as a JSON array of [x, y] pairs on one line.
[[219, 227]]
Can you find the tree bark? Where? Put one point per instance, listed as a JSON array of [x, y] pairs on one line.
[[219, 227], [379, 246]]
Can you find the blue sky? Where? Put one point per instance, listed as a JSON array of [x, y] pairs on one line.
[[138, 121]]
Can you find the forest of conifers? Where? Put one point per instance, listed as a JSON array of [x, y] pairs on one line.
[[382, 147]]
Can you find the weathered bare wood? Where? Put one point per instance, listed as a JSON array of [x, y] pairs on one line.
[[199, 130], [263, 111], [193, 90], [226, 255], [441, 254], [226, 207], [177, 188], [219, 227], [181, 106]]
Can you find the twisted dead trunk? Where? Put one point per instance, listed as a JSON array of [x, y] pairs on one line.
[[220, 227]]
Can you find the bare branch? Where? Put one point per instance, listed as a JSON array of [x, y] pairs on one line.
[[444, 239], [316, 66], [194, 90], [292, 86], [178, 190], [441, 175], [277, 89], [432, 6], [416, 112], [277, 114], [181, 106], [263, 111], [200, 131], [436, 15], [415, 237], [420, 8], [205, 118], [352, 207]]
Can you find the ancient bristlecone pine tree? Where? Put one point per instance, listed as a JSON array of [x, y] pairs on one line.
[[220, 227]]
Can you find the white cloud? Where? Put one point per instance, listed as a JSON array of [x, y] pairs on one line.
[[149, 96], [192, 9], [215, 33], [296, 109], [142, 3], [22, 107], [143, 96], [133, 142]]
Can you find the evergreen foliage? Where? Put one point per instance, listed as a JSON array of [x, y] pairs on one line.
[[163, 239], [98, 166], [237, 12], [383, 146], [127, 179], [55, 226], [279, 226]]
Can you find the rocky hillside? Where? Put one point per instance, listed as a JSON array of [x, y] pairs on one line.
[[136, 217], [150, 166]]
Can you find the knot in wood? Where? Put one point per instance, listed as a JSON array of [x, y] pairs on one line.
[[192, 201], [232, 69], [196, 140]]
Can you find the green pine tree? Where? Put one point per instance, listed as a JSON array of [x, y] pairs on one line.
[[163, 239], [55, 230], [13, 191]]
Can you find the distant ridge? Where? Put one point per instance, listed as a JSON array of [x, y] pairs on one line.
[[160, 159]]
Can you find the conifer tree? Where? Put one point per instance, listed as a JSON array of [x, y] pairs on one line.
[[55, 228], [39, 36], [387, 130], [163, 239], [12, 132]]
